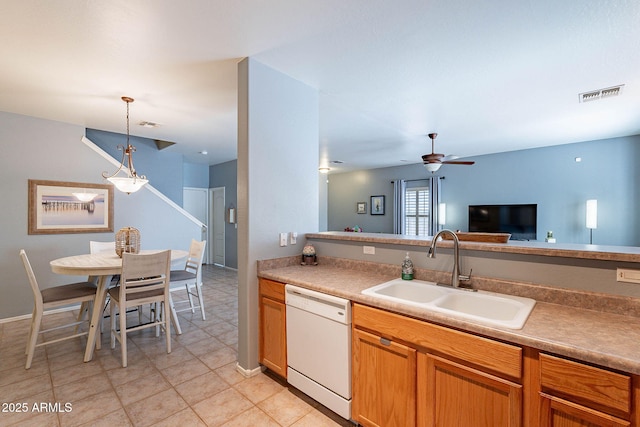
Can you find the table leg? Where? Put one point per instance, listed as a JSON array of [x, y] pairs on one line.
[[98, 304]]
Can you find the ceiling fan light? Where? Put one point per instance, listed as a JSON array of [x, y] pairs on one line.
[[432, 167]]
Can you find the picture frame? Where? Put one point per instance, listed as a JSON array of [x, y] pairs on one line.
[[59, 207], [377, 205], [361, 207]]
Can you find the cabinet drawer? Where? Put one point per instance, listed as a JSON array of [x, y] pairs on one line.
[[586, 383], [483, 352], [272, 289]]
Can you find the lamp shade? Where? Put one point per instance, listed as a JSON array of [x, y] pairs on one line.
[[592, 214], [432, 167], [128, 184], [442, 212]]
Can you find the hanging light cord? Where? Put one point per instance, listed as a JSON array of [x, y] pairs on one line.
[[126, 152]]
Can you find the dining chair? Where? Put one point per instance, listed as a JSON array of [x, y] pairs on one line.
[[55, 297], [189, 279], [144, 280]]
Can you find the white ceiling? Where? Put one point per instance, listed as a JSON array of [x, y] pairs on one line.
[[487, 76]]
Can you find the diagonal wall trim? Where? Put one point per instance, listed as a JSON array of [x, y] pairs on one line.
[[148, 187]]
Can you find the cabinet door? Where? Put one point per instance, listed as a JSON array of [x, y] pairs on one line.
[[384, 382], [453, 395], [556, 412], [273, 338]]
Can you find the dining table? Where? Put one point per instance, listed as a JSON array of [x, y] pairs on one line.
[[102, 267]]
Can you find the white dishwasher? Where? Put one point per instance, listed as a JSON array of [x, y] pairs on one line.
[[319, 347]]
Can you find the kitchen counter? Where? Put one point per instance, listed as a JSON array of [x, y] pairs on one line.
[[599, 337]]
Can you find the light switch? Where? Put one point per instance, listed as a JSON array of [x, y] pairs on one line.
[[283, 239], [293, 237]]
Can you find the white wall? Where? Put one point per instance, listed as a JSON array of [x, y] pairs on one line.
[[41, 149], [277, 181]]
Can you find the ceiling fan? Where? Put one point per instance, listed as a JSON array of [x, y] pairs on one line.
[[434, 160]]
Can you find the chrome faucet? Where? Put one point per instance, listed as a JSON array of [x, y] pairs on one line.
[[456, 277]]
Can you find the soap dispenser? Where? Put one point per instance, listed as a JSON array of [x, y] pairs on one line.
[[407, 268]]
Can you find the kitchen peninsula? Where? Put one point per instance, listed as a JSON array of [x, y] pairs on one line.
[[591, 326]]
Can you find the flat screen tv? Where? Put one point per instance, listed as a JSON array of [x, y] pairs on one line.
[[518, 220]]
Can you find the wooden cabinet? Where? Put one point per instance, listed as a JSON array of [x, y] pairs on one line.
[[273, 325], [577, 394], [451, 394], [384, 387], [450, 377]]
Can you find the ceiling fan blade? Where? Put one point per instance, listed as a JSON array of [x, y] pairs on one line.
[[457, 162]]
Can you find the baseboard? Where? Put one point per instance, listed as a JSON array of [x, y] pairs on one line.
[[28, 316], [248, 373]]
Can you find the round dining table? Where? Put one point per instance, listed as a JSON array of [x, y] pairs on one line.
[[102, 267]]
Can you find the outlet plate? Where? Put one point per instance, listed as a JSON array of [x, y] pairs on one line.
[[628, 275], [369, 250], [293, 237]]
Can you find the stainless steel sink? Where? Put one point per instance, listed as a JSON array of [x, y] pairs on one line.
[[484, 307]]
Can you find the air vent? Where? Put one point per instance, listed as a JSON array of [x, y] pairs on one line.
[[594, 95]]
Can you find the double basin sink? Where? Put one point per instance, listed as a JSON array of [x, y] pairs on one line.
[[489, 308]]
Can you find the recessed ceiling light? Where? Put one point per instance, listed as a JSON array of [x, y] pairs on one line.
[[146, 124], [578, 159], [203, 152], [324, 170]]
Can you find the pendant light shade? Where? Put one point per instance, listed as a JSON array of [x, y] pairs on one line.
[[132, 182]]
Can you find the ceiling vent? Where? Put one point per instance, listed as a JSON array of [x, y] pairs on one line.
[[146, 124], [594, 95]]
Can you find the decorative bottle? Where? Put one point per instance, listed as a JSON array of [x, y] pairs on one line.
[[407, 268]]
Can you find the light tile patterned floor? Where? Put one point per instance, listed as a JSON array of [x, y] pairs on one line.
[[195, 385]]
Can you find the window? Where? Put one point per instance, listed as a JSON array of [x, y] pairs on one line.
[[416, 208]]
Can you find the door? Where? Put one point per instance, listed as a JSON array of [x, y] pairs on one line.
[[217, 227], [384, 382], [453, 395]]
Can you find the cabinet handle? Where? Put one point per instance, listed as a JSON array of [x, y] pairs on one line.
[[385, 341]]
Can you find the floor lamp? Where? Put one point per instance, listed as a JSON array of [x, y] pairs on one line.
[[592, 217]]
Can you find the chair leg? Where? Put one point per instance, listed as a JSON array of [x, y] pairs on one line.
[[201, 300], [123, 334], [174, 316], [33, 338], [167, 327], [193, 310], [33, 319], [112, 324]]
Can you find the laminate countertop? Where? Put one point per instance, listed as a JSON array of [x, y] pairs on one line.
[[599, 337]]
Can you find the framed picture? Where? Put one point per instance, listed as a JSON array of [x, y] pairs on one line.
[[361, 207], [377, 205], [69, 207]]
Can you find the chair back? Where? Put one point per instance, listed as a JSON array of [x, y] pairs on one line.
[[144, 273], [102, 247], [37, 295], [196, 255]]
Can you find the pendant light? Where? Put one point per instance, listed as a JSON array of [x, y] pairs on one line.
[[132, 182]]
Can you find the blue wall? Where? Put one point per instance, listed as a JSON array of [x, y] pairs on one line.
[[549, 177], [163, 169], [226, 175], [195, 175]]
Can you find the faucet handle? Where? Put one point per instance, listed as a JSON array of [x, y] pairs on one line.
[[465, 277]]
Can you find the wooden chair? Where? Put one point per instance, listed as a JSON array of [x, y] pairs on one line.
[[54, 297], [144, 280], [190, 278]]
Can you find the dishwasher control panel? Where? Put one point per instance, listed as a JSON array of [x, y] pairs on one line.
[[329, 306]]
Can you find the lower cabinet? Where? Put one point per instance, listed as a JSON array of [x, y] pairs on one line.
[[407, 372], [273, 325], [384, 386], [451, 395], [575, 394]]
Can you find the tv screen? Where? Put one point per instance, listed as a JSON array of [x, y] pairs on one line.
[[518, 220]]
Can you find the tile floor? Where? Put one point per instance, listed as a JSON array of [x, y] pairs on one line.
[[195, 385]]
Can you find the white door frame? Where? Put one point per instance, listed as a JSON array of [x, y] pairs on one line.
[[216, 222]]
